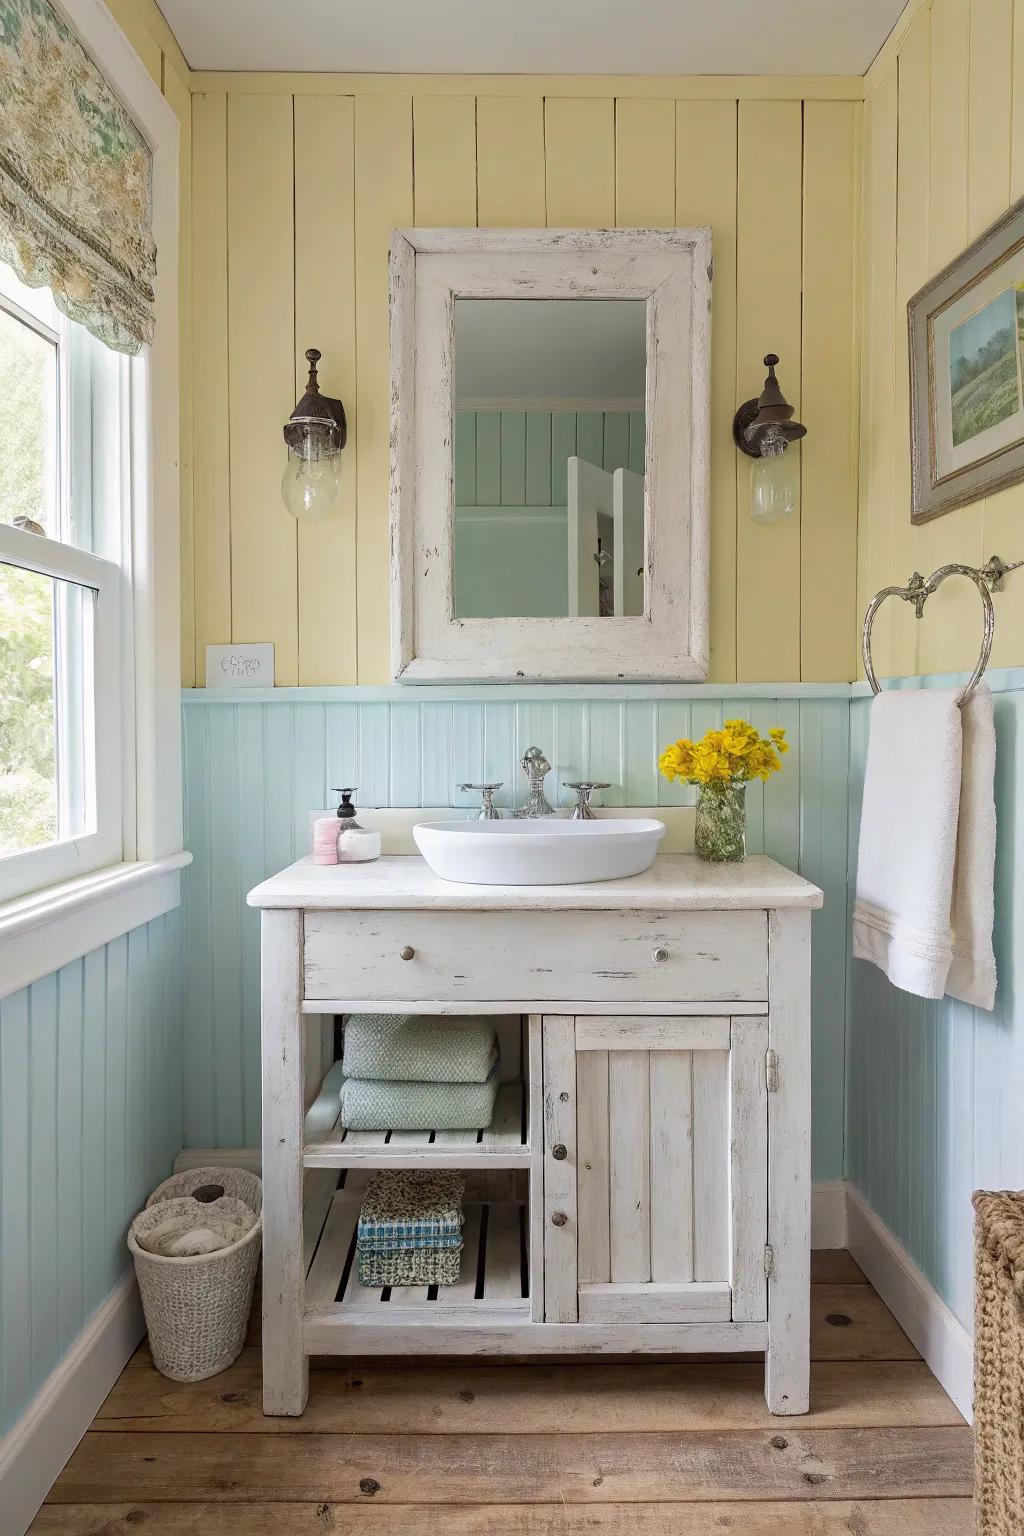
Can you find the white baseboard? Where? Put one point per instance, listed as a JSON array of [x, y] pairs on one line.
[[35, 1450], [828, 1214], [925, 1318]]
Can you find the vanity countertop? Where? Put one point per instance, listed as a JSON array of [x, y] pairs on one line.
[[675, 882]]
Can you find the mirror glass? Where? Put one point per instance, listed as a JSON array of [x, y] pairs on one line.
[[548, 457]]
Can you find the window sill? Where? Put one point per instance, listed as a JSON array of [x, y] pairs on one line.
[[42, 932]]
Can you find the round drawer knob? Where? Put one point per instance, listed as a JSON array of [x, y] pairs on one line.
[[661, 954], [407, 952], [558, 1218], [559, 1153]]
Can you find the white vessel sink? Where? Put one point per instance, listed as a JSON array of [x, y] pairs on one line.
[[546, 851]]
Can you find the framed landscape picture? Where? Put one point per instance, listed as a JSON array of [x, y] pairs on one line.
[[967, 373]]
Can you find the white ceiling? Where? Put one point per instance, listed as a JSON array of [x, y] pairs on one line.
[[645, 37]]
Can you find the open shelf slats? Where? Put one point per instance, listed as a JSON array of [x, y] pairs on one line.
[[505, 1144], [494, 1267]]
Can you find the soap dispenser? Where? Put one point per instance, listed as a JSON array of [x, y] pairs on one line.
[[356, 845]]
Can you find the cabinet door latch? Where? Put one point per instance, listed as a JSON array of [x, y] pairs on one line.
[[769, 1261], [771, 1071]]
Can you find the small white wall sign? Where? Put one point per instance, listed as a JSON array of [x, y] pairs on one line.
[[240, 666]]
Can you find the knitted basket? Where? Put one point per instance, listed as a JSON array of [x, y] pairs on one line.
[[999, 1363], [197, 1309]]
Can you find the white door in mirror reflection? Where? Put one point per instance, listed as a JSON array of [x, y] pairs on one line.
[[628, 543], [605, 531]]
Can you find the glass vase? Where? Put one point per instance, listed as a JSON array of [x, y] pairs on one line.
[[720, 832]]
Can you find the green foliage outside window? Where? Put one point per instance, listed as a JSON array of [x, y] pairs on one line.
[[28, 811]]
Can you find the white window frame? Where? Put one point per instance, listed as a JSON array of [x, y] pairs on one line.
[[41, 931], [82, 853]]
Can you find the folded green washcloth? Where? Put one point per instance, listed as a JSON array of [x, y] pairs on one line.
[[376, 1106], [409, 1267], [418, 1048]]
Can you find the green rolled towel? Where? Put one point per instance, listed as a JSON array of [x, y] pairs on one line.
[[418, 1048], [368, 1105]]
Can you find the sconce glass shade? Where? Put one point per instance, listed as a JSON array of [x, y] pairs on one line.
[[315, 433], [312, 476], [764, 429], [774, 481]]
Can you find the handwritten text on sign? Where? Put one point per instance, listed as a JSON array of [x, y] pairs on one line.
[[240, 666]]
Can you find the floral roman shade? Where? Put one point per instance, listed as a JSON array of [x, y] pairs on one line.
[[76, 179]]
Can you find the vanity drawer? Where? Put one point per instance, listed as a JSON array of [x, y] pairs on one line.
[[536, 956]]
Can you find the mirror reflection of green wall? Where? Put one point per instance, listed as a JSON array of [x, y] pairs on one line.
[[549, 496]]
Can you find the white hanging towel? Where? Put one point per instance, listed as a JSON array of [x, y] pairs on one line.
[[926, 864]]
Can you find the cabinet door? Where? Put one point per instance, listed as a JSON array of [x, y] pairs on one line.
[[655, 1169]]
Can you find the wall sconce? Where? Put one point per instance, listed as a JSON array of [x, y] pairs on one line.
[[315, 433], [762, 429]]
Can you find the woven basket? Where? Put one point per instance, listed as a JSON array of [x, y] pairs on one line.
[[197, 1309], [239, 1182], [999, 1363]]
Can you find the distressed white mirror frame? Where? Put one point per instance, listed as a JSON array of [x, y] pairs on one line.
[[671, 270]]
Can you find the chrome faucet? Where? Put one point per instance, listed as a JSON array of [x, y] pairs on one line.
[[582, 810], [535, 765], [488, 810]]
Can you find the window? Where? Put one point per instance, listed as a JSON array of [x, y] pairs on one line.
[[65, 656]]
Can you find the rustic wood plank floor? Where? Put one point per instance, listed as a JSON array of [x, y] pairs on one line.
[[609, 1448]]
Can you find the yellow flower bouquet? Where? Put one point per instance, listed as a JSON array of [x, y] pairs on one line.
[[723, 763]]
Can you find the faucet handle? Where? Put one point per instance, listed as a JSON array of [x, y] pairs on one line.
[[488, 810], [584, 788], [534, 764]]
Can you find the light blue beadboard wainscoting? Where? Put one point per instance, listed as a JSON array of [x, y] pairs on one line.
[[935, 1089], [90, 1121], [256, 763]]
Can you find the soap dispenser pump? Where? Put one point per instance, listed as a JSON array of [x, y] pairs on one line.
[[356, 844]]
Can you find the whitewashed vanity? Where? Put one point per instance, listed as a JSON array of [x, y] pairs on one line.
[[645, 1184]]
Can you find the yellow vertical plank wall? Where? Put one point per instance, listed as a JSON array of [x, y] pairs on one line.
[[645, 163], [989, 183], [261, 373], [296, 188], [140, 26], [706, 194], [828, 484], [768, 319], [143, 24], [444, 160], [878, 377], [383, 202], [325, 318], [510, 162], [957, 535], [579, 152], [179, 98], [944, 107], [211, 491], [911, 545]]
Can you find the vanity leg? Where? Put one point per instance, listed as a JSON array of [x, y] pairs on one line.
[[285, 1364], [787, 1361]]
